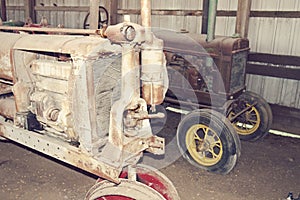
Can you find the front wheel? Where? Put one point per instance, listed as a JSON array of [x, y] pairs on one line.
[[150, 184], [256, 121], [125, 190], [207, 140]]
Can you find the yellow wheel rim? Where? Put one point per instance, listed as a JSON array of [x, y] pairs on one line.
[[204, 145], [248, 123]]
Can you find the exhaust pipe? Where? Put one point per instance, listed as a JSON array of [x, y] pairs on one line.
[[146, 18], [146, 13], [242, 18]]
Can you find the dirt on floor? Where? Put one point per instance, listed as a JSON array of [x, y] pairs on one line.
[[268, 170]]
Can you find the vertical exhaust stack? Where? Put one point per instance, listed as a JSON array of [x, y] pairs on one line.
[[212, 14], [146, 13], [242, 18], [146, 18], [94, 17]]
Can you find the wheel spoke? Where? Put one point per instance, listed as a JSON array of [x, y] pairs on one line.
[[252, 121], [244, 126], [253, 115], [205, 130], [196, 137], [252, 110], [215, 144], [214, 155]]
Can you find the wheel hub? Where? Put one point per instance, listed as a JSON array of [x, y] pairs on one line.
[[204, 145]]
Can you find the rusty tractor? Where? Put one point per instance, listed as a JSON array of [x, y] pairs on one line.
[[207, 76], [77, 98]]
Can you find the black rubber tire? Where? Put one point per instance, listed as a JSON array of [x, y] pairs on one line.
[[265, 115], [231, 147]]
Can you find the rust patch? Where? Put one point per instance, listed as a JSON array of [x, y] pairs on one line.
[[7, 108], [5, 67], [93, 166], [153, 93]]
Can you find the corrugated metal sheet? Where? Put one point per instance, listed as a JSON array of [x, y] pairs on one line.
[[276, 36], [266, 35], [69, 19], [15, 14]]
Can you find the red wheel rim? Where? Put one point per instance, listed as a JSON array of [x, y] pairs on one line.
[[145, 178]]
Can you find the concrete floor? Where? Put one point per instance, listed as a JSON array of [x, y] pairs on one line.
[[267, 169]]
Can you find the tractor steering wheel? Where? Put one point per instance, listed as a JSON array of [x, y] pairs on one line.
[[103, 18]]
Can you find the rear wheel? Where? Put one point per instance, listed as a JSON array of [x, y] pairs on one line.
[[256, 121], [207, 140]]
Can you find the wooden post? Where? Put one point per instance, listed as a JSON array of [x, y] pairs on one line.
[[3, 10], [29, 10], [242, 18], [204, 16], [112, 8], [94, 14]]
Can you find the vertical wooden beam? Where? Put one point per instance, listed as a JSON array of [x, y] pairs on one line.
[[29, 10], [205, 7], [242, 18], [3, 10], [112, 8], [94, 14]]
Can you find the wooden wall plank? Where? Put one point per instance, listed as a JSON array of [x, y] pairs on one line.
[[273, 71], [3, 10], [274, 59]]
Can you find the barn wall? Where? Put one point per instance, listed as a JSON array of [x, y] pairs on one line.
[[276, 36], [266, 35], [16, 14], [70, 19]]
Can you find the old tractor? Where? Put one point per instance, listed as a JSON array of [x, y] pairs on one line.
[[82, 97], [207, 77]]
